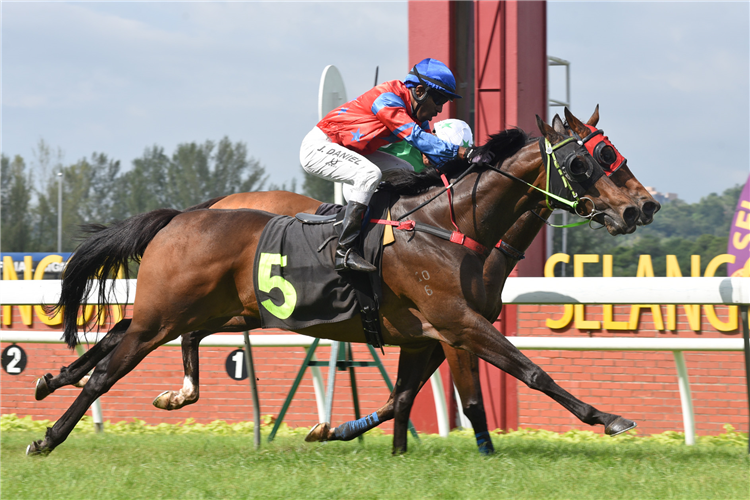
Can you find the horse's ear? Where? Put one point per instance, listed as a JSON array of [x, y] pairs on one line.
[[594, 118], [558, 125], [548, 131], [575, 124]]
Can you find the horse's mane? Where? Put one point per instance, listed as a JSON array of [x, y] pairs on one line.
[[502, 145]]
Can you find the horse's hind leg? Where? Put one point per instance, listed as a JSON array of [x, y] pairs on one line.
[[355, 428], [131, 351], [190, 392], [73, 374], [465, 369]]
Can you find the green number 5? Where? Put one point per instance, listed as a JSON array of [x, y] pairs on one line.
[[266, 283]]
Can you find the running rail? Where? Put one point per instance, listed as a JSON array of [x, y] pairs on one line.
[[704, 291]]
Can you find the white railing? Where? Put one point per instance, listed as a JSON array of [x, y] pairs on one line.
[[704, 291]]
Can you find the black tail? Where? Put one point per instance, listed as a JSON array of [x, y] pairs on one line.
[[100, 256]]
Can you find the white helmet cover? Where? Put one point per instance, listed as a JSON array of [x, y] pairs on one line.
[[455, 131]]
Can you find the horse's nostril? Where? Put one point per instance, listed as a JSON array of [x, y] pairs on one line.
[[649, 208], [630, 216]]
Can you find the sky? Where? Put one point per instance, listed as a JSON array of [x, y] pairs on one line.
[[671, 78]]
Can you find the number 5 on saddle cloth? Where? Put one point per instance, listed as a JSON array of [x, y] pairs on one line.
[[295, 281]]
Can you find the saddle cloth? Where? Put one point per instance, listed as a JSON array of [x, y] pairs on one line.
[[294, 277]]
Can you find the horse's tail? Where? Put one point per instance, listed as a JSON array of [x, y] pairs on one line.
[[101, 256]]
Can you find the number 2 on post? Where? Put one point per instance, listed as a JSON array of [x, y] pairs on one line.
[[266, 283]]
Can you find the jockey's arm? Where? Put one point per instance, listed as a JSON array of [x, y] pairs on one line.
[[391, 111]]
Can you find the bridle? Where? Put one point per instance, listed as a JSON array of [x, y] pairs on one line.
[[601, 149], [568, 177]]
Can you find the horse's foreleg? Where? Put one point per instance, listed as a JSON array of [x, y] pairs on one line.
[[190, 392], [480, 337], [465, 369], [78, 369]]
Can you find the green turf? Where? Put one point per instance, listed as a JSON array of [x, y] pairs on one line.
[[193, 465]]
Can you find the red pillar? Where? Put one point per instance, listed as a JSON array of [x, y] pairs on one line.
[[506, 86]]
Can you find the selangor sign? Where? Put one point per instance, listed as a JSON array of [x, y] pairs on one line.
[[576, 312], [739, 237]]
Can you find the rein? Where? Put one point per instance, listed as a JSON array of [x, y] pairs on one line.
[[461, 239]]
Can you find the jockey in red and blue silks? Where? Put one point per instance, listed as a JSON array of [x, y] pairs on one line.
[[343, 147]]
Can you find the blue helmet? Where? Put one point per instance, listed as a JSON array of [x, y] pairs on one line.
[[435, 75]]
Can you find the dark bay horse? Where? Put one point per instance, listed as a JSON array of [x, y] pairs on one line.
[[463, 364], [218, 248]]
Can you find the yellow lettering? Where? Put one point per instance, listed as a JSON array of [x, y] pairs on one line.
[[9, 273], [742, 220], [608, 322], [693, 312], [549, 272], [549, 267], [645, 270], [645, 267], [695, 266], [738, 243], [732, 322], [580, 309], [635, 315], [38, 275]]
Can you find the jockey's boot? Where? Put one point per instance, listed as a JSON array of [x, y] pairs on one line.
[[347, 258]]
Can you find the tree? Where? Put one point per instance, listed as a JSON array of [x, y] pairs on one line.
[[16, 191], [679, 229], [318, 188]]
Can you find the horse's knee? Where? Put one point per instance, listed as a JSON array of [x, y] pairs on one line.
[[537, 379]]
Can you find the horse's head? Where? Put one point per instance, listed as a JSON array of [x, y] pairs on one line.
[[581, 185], [614, 164]]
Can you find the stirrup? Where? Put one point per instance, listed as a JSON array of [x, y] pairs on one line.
[[357, 262]]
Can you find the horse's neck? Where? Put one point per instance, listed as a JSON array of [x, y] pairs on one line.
[[489, 203]]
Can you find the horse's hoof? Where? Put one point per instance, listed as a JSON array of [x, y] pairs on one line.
[[42, 389], [319, 433], [162, 400], [83, 381], [35, 449], [619, 425]]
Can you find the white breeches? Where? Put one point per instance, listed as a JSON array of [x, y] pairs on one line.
[[359, 174]]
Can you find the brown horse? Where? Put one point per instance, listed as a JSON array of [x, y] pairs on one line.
[[463, 364], [219, 248]]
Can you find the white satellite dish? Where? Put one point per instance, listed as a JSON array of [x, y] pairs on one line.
[[331, 95]]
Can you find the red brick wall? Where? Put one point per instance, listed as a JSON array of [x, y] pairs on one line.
[[639, 385]]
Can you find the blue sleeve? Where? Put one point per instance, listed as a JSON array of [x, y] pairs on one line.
[[437, 150], [391, 111]]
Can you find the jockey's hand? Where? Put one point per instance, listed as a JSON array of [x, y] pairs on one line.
[[426, 161]]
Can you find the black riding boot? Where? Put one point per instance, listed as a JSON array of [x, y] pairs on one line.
[[347, 258]]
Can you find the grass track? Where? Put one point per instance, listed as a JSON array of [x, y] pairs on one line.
[[197, 466]]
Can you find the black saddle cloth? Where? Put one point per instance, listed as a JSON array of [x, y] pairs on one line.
[[294, 277]]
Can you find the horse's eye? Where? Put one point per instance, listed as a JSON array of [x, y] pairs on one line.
[[578, 167], [607, 156]]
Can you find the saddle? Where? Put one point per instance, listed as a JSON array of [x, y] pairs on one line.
[[295, 280]]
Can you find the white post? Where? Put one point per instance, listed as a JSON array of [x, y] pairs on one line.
[[688, 420], [320, 391], [441, 408]]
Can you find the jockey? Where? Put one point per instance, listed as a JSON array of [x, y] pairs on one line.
[[343, 147]]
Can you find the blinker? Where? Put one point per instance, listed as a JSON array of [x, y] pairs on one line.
[[603, 151]]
